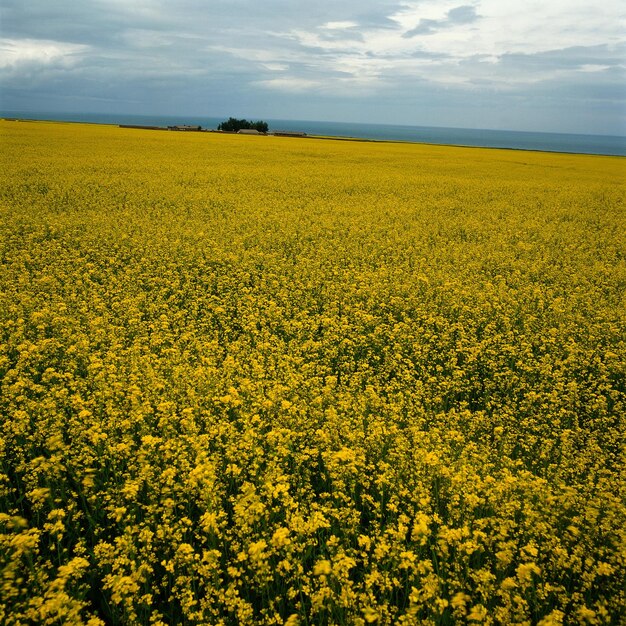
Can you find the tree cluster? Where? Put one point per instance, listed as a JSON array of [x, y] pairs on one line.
[[233, 125]]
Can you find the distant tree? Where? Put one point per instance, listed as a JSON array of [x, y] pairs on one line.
[[232, 124]]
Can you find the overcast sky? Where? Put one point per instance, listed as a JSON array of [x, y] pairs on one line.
[[551, 65]]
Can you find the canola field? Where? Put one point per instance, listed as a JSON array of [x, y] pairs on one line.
[[256, 380]]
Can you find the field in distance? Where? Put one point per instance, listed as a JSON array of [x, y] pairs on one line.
[[262, 380]]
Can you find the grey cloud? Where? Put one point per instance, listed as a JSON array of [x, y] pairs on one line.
[[425, 54], [425, 27], [134, 39], [522, 66], [99, 20], [213, 57], [66, 21], [462, 15], [607, 86], [345, 34], [568, 58], [414, 54], [378, 19], [465, 14]]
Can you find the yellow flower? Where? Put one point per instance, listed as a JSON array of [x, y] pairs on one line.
[[256, 549], [269, 380], [322, 568], [280, 537], [477, 613], [420, 531], [555, 618], [370, 615], [460, 600], [525, 572]]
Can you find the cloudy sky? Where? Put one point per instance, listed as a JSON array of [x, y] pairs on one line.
[[552, 65]]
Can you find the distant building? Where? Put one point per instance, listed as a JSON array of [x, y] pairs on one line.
[[248, 131], [142, 127], [288, 133], [185, 127]]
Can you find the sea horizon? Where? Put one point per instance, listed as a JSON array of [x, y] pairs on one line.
[[576, 143]]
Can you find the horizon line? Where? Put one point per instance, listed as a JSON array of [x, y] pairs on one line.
[[3, 112]]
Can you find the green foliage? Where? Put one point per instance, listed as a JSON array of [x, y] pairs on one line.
[[234, 125]]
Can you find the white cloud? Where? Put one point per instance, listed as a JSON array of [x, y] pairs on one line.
[[372, 55], [458, 42], [275, 67], [339, 25], [146, 9], [593, 67], [16, 52], [506, 26], [290, 84]]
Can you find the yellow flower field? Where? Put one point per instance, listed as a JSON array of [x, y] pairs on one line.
[[257, 380]]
